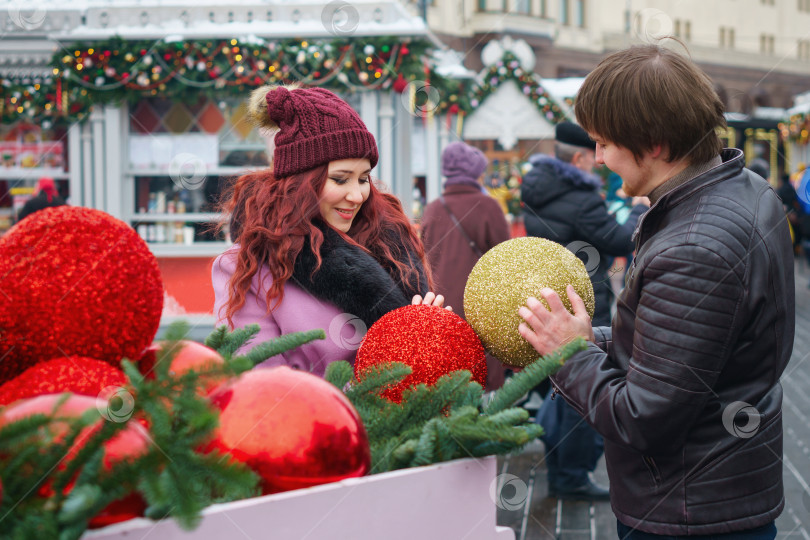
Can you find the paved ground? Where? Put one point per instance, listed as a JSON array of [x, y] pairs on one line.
[[541, 517]]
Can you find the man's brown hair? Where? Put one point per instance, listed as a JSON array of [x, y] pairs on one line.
[[646, 96]]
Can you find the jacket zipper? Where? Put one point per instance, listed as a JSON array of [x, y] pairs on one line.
[[653, 468]]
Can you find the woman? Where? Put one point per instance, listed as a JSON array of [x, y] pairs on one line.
[[317, 244]]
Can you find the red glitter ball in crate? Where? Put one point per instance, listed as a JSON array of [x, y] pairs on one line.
[[294, 429], [75, 281], [431, 340], [75, 374]]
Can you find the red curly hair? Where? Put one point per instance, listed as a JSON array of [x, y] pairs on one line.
[[271, 217]]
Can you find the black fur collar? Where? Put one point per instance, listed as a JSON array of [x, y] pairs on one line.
[[353, 280]]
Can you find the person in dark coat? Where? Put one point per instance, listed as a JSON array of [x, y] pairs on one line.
[[459, 227], [684, 385], [563, 203], [46, 196]]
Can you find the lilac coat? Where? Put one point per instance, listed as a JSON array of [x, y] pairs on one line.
[[299, 311]]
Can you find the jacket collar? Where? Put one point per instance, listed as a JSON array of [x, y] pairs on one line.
[[733, 163]]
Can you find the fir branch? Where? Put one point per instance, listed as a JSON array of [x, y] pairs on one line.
[[523, 381], [282, 344], [377, 378], [177, 331], [339, 374], [216, 339], [235, 340]]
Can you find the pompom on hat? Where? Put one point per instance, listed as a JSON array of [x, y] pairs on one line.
[[570, 133], [314, 127]]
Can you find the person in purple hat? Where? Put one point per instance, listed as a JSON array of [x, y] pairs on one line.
[[459, 227]]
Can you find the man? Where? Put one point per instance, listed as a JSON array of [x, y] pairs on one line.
[[685, 385], [562, 202], [460, 227]]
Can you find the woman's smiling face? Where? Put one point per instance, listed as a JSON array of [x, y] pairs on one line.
[[346, 189]]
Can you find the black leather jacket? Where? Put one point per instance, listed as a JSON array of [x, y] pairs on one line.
[[704, 329]]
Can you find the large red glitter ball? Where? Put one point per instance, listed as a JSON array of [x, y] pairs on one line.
[[128, 444], [432, 340], [291, 427], [84, 376], [75, 281]]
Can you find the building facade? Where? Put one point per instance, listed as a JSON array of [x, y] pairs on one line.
[[756, 51]]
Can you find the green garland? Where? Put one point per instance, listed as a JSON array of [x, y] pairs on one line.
[[508, 68], [118, 71]]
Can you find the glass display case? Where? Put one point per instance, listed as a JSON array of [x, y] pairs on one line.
[[181, 158]]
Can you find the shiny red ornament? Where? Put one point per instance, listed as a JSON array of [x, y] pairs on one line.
[[75, 281], [400, 84], [84, 376], [196, 356], [432, 340], [292, 428], [129, 444]]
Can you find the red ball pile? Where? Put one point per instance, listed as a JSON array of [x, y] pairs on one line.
[[432, 340], [75, 281], [76, 374]]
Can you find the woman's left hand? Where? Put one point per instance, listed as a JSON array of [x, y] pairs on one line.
[[430, 299]]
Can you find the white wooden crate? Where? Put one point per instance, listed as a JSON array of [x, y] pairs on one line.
[[446, 501]]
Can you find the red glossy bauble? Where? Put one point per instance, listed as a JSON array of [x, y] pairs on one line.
[[76, 281], [130, 443], [292, 428], [188, 355], [432, 340], [196, 356], [84, 376]]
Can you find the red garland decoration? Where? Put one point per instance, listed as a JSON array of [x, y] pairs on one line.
[[75, 281], [75, 374], [432, 340], [291, 427]]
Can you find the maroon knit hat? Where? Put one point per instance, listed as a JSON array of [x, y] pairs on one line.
[[315, 127]]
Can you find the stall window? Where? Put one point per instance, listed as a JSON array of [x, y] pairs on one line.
[[29, 152], [181, 157]]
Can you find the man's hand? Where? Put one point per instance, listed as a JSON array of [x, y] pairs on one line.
[[548, 329]]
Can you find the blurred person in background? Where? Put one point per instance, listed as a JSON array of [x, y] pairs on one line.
[[45, 196]]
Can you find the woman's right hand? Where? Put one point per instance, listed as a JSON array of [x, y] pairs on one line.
[[430, 299]]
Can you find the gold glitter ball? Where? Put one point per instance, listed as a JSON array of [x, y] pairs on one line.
[[505, 277]]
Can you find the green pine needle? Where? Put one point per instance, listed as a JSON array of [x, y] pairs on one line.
[[520, 383], [216, 339], [281, 344], [339, 374]]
